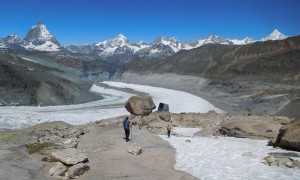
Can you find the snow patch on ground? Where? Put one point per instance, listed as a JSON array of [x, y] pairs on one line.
[[227, 158], [187, 132]]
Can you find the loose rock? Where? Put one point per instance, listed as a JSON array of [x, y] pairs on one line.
[[78, 170], [282, 161], [134, 149], [58, 170]]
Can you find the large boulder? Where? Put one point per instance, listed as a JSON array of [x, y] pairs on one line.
[[70, 156], [140, 105], [289, 136]]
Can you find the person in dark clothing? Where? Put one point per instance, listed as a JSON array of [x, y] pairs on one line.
[[126, 124], [169, 128]]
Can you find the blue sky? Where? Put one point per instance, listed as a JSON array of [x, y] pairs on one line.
[[89, 21]]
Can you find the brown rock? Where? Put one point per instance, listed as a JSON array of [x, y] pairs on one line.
[[78, 170], [58, 170], [249, 128], [289, 136], [134, 149], [70, 156], [140, 105]]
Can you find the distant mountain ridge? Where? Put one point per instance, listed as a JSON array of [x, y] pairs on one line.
[[38, 38], [120, 48]]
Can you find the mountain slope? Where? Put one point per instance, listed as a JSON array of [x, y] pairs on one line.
[[272, 59], [25, 82]]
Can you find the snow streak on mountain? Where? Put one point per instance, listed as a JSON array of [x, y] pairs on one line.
[[275, 35]]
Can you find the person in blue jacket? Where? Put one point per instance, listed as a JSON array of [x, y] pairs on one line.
[[126, 125]]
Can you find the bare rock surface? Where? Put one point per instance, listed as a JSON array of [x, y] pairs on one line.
[[289, 136], [140, 105], [70, 156]]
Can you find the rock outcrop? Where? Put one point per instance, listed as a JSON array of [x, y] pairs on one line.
[[70, 156], [140, 105], [289, 136], [258, 127], [249, 128]]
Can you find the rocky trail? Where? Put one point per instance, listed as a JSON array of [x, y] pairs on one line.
[[109, 158]]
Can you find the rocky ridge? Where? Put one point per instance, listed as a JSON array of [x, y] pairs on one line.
[[119, 49]]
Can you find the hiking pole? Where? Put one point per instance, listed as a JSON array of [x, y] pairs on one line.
[[131, 133]]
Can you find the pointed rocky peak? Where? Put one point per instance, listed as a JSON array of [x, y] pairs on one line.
[[159, 39], [165, 41], [12, 39], [275, 35], [212, 36], [40, 23], [248, 40], [119, 40], [39, 38], [142, 43], [121, 36], [40, 32]]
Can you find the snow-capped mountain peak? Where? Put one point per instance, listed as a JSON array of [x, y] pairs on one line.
[[12, 39], [165, 41], [39, 38], [43, 33], [141, 43], [212, 36], [275, 35], [119, 40], [172, 42]]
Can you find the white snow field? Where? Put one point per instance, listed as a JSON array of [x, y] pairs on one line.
[[112, 105], [225, 158], [178, 101]]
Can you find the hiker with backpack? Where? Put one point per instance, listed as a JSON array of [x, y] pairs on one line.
[[169, 128], [126, 125]]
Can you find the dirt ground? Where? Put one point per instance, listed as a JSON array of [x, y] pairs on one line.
[[109, 159], [107, 154]]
